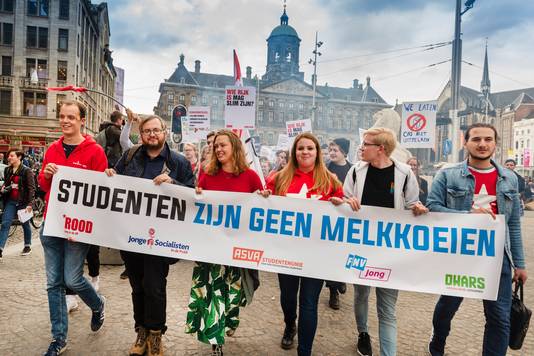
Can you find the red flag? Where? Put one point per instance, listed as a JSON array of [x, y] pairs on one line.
[[68, 88], [237, 71]]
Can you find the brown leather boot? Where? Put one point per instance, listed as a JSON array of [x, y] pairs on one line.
[[139, 348], [154, 343]]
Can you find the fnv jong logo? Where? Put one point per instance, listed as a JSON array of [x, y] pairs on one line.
[[356, 262], [174, 246], [75, 226], [247, 254]]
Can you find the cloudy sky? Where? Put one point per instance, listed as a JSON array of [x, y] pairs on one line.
[[381, 39]]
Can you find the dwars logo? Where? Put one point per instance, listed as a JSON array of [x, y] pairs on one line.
[[74, 226], [247, 254]]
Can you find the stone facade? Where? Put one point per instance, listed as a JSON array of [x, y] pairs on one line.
[[58, 43], [283, 95]]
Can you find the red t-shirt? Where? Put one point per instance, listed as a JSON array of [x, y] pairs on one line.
[[15, 193], [300, 187], [246, 182], [485, 188]]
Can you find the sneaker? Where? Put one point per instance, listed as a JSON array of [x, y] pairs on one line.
[[95, 281], [216, 350], [334, 299], [72, 302], [289, 335], [57, 347], [435, 347], [124, 274], [364, 345], [98, 316], [26, 251]]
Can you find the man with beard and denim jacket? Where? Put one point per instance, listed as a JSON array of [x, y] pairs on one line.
[[478, 185], [153, 159]]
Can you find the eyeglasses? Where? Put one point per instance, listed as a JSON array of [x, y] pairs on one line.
[[366, 144], [147, 132]]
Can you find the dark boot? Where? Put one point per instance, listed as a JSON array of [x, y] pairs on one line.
[[334, 299], [289, 335]]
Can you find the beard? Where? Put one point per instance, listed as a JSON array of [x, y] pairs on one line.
[[154, 146]]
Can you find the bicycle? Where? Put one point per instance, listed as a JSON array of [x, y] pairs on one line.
[[38, 206]]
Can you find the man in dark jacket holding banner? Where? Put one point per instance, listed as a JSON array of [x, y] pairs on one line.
[[153, 159]]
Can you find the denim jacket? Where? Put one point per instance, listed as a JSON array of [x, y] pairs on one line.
[[452, 192]]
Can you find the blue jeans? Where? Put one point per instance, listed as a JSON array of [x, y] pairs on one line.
[[386, 300], [64, 268], [308, 298], [497, 328], [10, 213]]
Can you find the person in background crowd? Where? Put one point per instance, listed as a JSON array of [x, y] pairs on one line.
[[18, 192], [521, 184], [218, 291], [423, 184], [124, 139], [112, 130], [325, 153], [154, 160], [338, 150], [379, 180], [280, 162], [63, 258], [191, 154], [266, 166], [465, 188], [3, 166], [304, 176]]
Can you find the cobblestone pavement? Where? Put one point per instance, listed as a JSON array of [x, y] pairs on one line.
[[25, 327]]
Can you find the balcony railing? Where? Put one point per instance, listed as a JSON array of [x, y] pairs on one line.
[[6, 81], [26, 83]]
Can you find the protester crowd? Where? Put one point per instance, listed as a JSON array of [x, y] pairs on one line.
[[307, 170]]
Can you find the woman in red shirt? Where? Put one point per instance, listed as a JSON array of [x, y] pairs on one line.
[[305, 176], [216, 293]]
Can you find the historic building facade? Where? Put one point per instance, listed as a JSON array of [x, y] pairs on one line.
[[283, 94], [501, 109], [48, 43]]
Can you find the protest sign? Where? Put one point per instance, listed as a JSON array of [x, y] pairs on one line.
[[418, 128], [240, 107], [198, 123], [442, 253], [294, 128]]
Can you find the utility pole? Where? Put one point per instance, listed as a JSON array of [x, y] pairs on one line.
[[456, 71], [314, 77]]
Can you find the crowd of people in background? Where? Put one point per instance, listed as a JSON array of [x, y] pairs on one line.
[[307, 170]]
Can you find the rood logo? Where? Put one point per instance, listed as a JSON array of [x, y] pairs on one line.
[[247, 254], [74, 225]]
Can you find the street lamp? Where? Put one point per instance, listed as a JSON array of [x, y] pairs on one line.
[[314, 78], [456, 70]]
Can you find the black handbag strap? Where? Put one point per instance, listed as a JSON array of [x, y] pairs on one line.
[[519, 287]]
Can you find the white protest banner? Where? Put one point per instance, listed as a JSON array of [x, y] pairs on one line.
[[199, 122], [294, 128], [454, 254], [418, 128], [283, 142], [240, 107]]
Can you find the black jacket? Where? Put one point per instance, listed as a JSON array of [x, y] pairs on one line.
[[26, 185], [113, 147], [179, 167]]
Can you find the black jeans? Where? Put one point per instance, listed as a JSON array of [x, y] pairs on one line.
[[148, 279], [308, 298], [93, 261]]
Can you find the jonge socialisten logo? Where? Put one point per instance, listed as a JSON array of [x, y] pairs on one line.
[[152, 241]]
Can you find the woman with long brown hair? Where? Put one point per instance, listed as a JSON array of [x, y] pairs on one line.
[[216, 292], [304, 176]]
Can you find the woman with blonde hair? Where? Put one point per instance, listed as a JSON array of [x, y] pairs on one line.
[[191, 154], [304, 176], [217, 291]]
